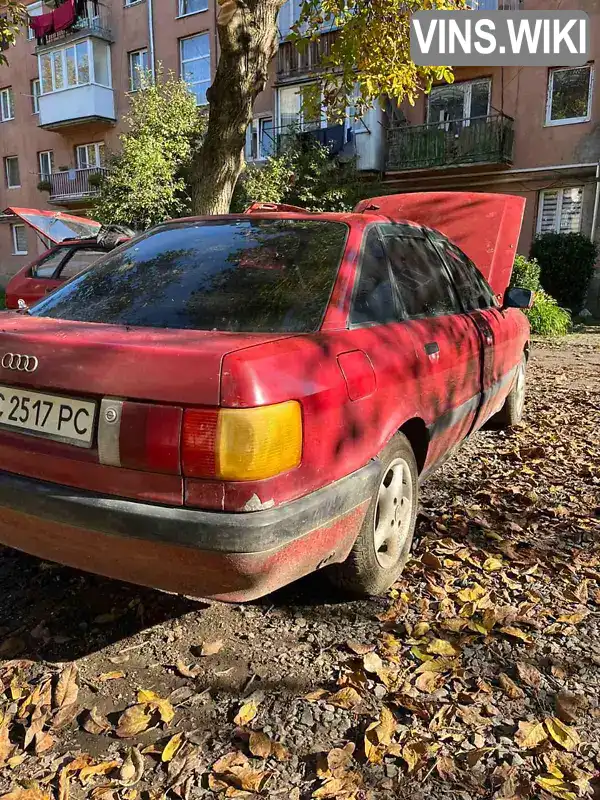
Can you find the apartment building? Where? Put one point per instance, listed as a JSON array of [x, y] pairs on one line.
[[63, 98], [528, 131]]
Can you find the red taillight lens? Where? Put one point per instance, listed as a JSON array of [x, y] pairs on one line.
[[140, 436], [199, 442]]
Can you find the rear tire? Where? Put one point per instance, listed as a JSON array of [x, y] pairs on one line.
[[383, 544], [511, 412]]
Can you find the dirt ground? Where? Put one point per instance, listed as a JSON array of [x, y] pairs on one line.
[[478, 676]]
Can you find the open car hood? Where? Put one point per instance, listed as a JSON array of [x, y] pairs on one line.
[[485, 226], [55, 225]]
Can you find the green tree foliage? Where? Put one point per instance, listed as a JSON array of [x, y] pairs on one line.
[[546, 317], [12, 17], [567, 264], [306, 175], [148, 178]]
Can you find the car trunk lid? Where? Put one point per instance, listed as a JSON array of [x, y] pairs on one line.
[[56, 226], [485, 226]]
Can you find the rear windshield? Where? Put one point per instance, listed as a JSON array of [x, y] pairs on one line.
[[234, 275]]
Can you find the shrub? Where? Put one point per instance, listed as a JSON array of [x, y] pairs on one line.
[[44, 186], [567, 265], [545, 317]]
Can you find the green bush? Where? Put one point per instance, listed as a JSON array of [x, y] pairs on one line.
[[545, 317], [567, 265]]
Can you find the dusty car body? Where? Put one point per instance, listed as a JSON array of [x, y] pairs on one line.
[[228, 403]]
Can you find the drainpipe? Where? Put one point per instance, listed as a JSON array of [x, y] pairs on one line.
[[596, 203], [151, 38]]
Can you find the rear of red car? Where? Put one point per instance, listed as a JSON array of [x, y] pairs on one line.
[[144, 420]]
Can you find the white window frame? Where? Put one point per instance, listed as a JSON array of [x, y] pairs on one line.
[[31, 9], [467, 88], [7, 101], [135, 71], [129, 3], [191, 60], [181, 13], [256, 129], [15, 241], [7, 174], [35, 97], [559, 204], [549, 122], [97, 147], [49, 154], [62, 54]]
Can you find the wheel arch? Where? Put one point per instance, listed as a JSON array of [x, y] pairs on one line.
[[417, 434]]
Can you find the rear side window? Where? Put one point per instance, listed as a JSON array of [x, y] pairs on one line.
[[80, 259], [474, 291], [373, 296], [47, 266], [424, 287], [246, 274]]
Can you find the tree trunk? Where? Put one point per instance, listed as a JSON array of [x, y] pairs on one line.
[[248, 41]]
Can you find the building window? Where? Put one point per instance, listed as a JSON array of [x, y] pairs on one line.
[[46, 161], [33, 10], [559, 210], [90, 155], [11, 171], [19, 239], [300, 106], [35, 95], [7, 104], [132, 2], [138, 66], [289, 13], [260, 139], [191, 7], [459, 101], [195, 65], [62, 69], [569, 95]]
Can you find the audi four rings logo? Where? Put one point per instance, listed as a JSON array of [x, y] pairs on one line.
[[19, 363]]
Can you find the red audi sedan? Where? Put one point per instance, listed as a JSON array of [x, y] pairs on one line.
[[225, 404]]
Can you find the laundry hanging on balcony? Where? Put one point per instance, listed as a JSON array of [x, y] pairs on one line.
[[61, 19], [64, 16], [41, 26]]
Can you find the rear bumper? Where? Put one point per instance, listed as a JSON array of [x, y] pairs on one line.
[[202, 553]]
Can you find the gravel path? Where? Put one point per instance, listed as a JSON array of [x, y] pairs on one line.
[[478, 676]]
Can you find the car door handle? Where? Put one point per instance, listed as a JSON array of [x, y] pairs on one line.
[[431, 348]]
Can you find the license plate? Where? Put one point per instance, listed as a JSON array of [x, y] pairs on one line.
[[48, 415]]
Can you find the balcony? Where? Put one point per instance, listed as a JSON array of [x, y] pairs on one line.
[[75, 106], [95, 22], [456, 143], [293, 62], [72, 185]]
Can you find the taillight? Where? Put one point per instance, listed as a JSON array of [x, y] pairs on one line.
[[242, 444], [141, 436]]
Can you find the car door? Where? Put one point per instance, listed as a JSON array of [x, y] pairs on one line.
[[80, 259], [42, 279], [449, 357], [495, 329]]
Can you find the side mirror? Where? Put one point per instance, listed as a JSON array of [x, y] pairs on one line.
[[518, 298]]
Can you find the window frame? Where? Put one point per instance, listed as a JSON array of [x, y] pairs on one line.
[[60, 53], [55, 250], [15, 243], [191, 60], [97, 148], [6, 172], [50, 156], [256, 129], [7, 96], [139, 68], [69, 257], [182, 15], [467, 100], [399, 317], [559, 203], [438, 240], [35, 97], [548, 121]]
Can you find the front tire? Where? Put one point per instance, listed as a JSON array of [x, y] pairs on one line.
[[511, 412], [383, 544]]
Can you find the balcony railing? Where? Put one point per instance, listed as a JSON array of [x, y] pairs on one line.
[[277, 140], [73, 184], [293, 61], [96, 21], [478, 140]]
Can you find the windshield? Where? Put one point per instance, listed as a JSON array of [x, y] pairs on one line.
[[244, 274]]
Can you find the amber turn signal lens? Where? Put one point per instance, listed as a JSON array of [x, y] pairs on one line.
[[258, 443]]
